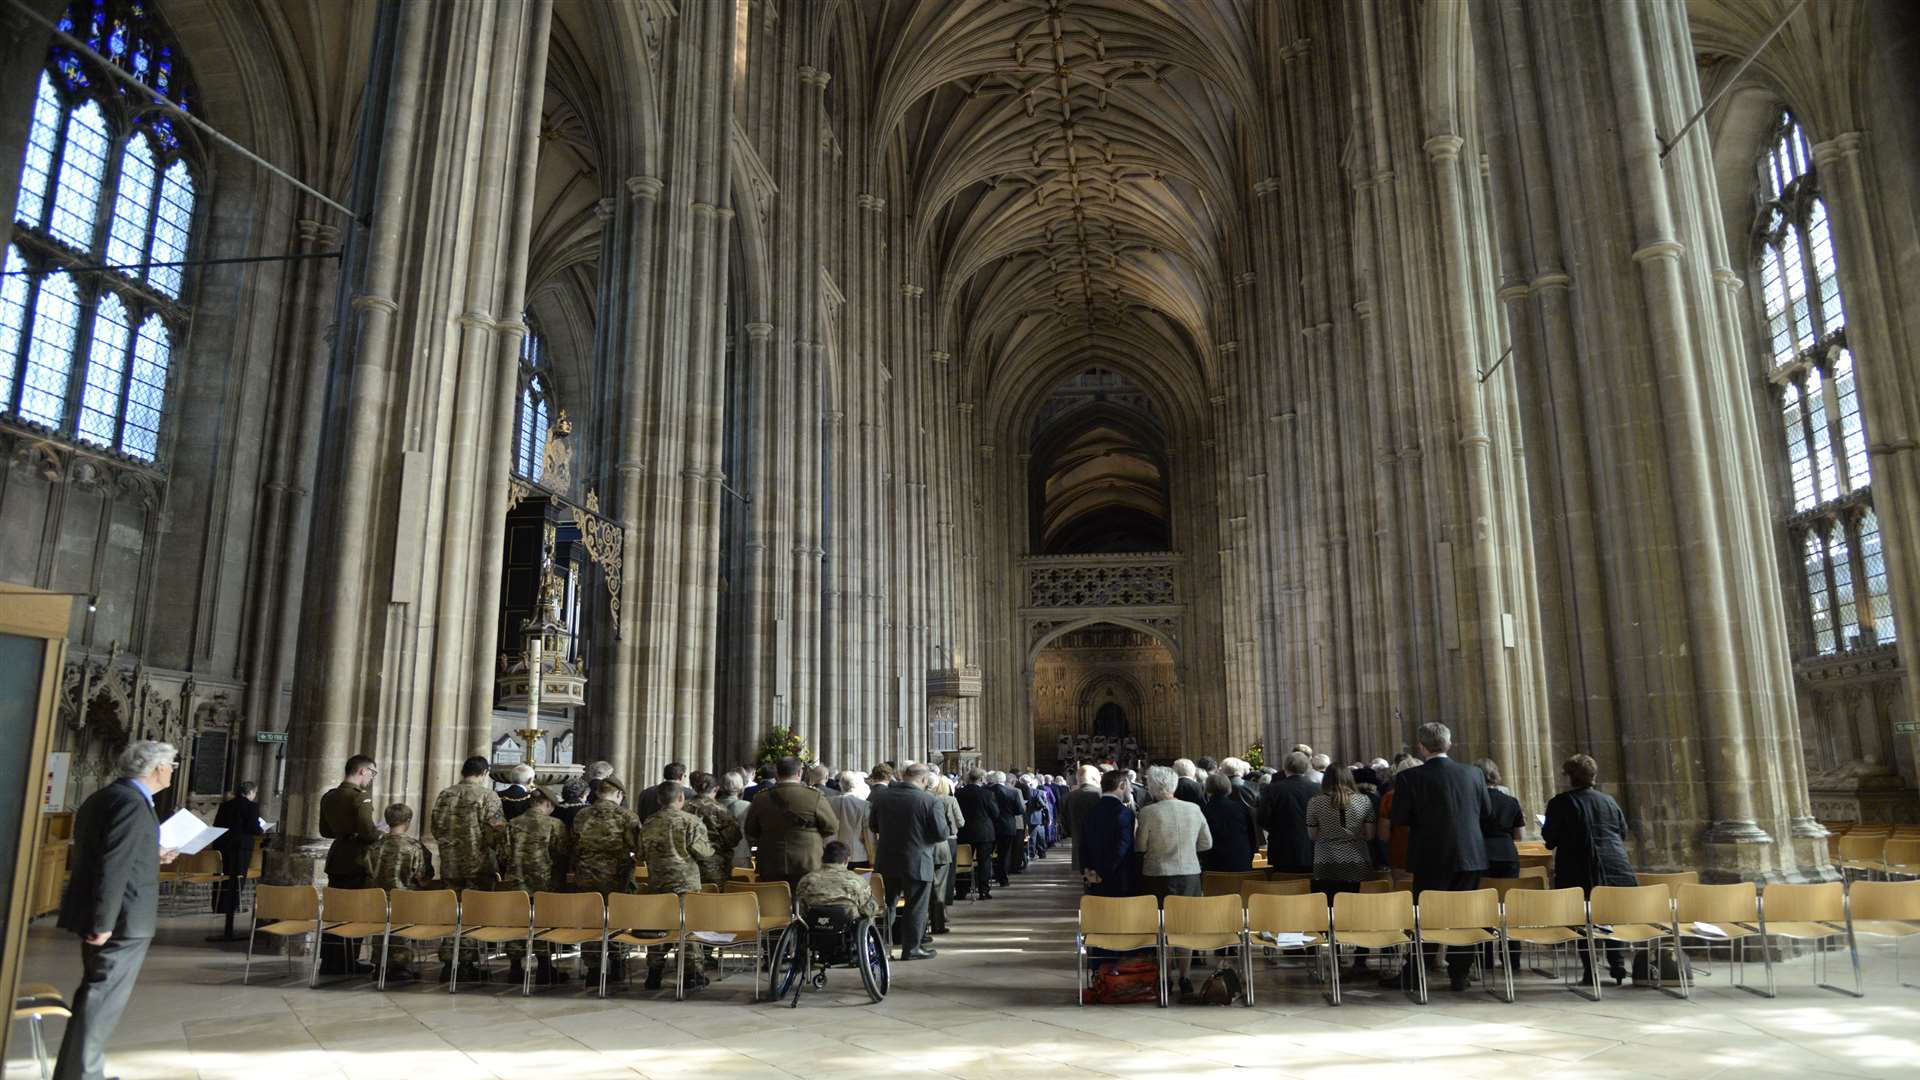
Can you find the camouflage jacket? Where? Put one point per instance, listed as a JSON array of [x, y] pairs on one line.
[[723, 832], [397, 861], [837, 885], [472, 830], [671, 843], [539, 853], [605, 836]]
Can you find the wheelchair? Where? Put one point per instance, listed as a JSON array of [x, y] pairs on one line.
[[824, 937]]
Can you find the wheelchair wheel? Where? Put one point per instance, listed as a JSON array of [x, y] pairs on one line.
[[788, 963], [871, 958]]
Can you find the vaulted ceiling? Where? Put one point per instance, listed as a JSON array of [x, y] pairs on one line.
[[1074, 170]]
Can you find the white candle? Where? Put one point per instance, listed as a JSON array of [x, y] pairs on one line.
[[533, 688]]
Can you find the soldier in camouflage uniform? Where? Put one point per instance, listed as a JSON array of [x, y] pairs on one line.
[[833, 883], [605, 837], [673, 843], [539, 851], [472, 830], [398, 861], [723, 829]]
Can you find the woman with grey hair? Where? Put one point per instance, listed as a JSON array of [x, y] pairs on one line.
[[1169, 834]]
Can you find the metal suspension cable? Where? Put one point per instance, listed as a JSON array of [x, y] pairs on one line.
[[120, 74], [1666, 147]]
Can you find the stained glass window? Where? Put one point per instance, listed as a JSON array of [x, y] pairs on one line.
[[106, 379], [1828, 479], [532, 416], [106, 179], [56, 326]]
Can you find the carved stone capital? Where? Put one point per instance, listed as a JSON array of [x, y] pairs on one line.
[[1444, 147], [645, 187]]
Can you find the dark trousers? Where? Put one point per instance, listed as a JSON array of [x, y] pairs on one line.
[[1459, 961], [982, 873], [1004, 848], [910, 925], [106, 983]]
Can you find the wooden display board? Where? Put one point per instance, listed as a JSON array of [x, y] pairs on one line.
[[33, 645]]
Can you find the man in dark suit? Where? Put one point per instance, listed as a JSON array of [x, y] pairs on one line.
[[979, 807], [907, 823], [240, 816], [1081, 801], [1444, 804], [790, 824], [1283, 814], [1187, 788], [1105, 841], [649, 803], [1009, 811], [111, 901]]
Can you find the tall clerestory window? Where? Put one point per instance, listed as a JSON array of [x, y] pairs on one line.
[[1831, 522], [93, 303], [533, 414]]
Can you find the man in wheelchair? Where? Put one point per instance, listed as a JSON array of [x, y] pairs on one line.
[[839, 925]]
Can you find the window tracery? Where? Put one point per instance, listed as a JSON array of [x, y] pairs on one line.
[[107, 191], [1832, 523], [533, 414]]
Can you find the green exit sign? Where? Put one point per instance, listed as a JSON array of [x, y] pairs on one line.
[[1907, 727], [270, 736]]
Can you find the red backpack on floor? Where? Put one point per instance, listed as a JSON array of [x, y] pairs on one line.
[[1129, 982]]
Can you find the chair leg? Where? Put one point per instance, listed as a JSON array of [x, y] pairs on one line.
[[1333, 965], [526, 967], [680, 970], [1080, 970], [386, 946], [1161, 951], [247, 972], [39, 1047], [453, 976], [313, 972]]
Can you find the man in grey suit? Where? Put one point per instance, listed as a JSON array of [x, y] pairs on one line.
[[111, 901], [907, 823]]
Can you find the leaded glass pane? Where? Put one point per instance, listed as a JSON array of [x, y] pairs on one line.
[[106, 377], [13, 322], [539, 448], [1826, 469], [132, 206], [1794, 275], [1820, 244], [1853, 434], [83, 161], [1814, 560], [42, 140], [170, 227], [1875, 561], [524, 435], [1845, 616], [1799, 462], [56, 321], [147, 390]]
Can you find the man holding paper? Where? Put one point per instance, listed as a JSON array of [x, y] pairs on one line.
[[111, 901]]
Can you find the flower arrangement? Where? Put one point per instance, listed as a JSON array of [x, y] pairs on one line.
[[1256, 754], [780, 743]]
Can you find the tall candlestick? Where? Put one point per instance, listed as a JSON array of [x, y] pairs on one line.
[[533, 687]]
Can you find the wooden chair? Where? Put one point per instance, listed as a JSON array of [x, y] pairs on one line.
[[285, 912], [489, 918], [1118, 924], [416, 917], [742, 873], [354, 914], [1228, 882], [569, 920], [1273, 888], [728, 920], [34, 1003], [1553, 919], [1380, 921], [1270, 914], [1900, 858], [1671, 881], [1889, 909], [1462, 920], [1816, 913], [1505, 885], [1377, 886], [641, 919], [1862, 852], [1208, 924], [776, 903], [1734, 910]]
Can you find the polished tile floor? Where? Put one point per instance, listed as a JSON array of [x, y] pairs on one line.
[[997, 1002]]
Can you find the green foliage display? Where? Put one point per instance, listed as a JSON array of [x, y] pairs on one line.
[[780, 743], [1256, 755]]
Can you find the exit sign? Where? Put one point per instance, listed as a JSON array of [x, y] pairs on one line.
[[270, 736], [1907, 727]]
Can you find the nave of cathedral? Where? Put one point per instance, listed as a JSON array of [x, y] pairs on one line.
[[1011, 383]]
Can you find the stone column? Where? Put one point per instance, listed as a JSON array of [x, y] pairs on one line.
[[1648, 361], [623, 734]]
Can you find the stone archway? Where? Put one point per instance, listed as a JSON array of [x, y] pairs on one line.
[[1104, 677]]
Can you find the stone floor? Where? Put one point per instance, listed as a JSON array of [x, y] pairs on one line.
[[997, 1002]]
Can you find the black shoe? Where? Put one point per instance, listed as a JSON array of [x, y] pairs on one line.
[[986, 896], [653, 978], [921, 953], [1620, 976], [1186, 985], [400, 975], [695, 981], [939, 930], [1457, 980]]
